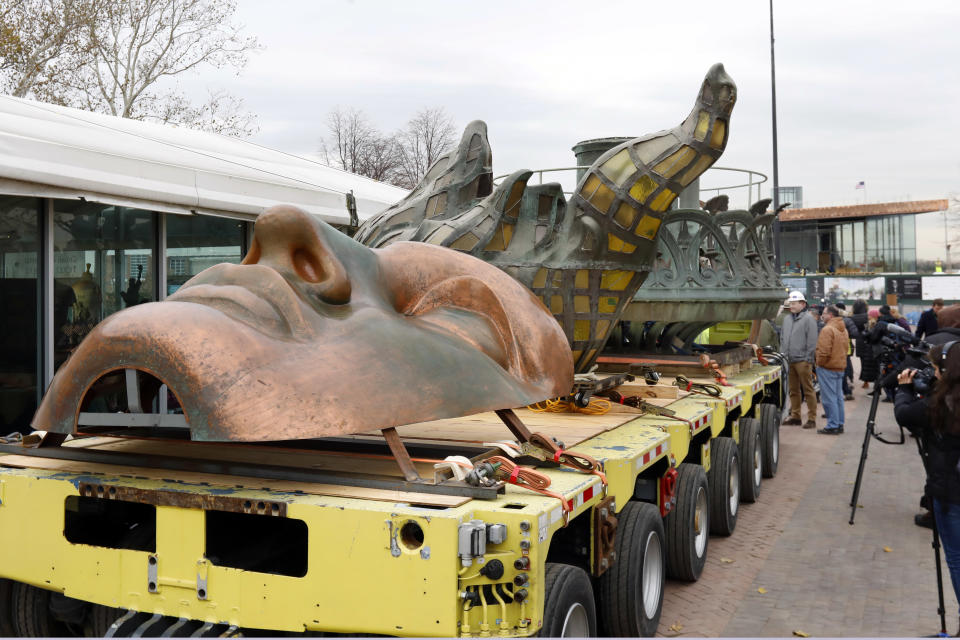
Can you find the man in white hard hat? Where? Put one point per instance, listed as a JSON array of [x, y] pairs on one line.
[[798, 342]]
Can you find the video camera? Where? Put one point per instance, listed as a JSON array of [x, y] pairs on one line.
[[899, 349]]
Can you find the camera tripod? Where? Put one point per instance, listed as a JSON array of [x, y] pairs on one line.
[[890, 376], [871, 431]]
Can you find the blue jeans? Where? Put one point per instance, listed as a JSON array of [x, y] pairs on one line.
[[831, 396], [948, 526]]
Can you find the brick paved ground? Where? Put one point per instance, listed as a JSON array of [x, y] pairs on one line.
[[820, 575]]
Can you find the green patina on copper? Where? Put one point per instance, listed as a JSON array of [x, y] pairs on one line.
[[585, 258]]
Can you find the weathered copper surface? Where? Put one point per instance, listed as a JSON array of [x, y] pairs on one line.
[[585, 258], [316, 335]]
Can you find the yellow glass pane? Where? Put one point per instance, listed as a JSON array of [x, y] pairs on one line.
[[581, 304], [614, 243], [648, 227], [649, 150], [590, 354], [618, 168], [602, 326], [576, 354], [615, 280], [603, 198], [607, 304], [698, 168], [540, 279], [581, 330], [642, 188], [719, 131], [438, 236], [675, 161], [516, 193], [496, 241], [465, 242], [507, 234], [626, 214], [556, 304], [703, 123], [582, 279], [590, 186], [628, 248], [662, 202]]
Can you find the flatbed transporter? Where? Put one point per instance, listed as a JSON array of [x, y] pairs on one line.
[[99, 548]]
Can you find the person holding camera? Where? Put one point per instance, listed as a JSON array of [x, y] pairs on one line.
[[935, 420], [831, 359]]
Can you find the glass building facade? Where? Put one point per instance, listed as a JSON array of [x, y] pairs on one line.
[[67, 264], [880, 244]]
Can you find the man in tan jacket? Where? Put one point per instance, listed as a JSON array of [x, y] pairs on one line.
[[831, 360]]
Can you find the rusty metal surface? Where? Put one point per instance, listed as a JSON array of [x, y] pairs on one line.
[[585, 258], [605, 535], [184, 499], [317, 335]]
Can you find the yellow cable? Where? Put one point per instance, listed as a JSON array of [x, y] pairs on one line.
[[596, 406]]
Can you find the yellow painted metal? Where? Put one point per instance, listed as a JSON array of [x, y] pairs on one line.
[[363, 576]]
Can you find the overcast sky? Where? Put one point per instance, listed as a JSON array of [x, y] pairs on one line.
[[866, 90]]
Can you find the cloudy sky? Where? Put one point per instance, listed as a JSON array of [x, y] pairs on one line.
[[866, 90]]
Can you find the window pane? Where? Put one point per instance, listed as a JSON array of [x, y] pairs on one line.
[[19, 322], [102, 262], [197, 242]]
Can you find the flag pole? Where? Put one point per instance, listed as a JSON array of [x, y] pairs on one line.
[[776, 175]]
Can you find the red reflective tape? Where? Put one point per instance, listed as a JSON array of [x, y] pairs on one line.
[[646, 457], [588, 493]]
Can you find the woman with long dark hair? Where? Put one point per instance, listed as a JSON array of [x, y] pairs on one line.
[[935, 419], [868, 363]]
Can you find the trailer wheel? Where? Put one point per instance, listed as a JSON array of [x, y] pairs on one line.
[[31, 613], [723, 479], [770, 437], [688, 524], [751, 460], [6, 612], [568, 606], [631, 591]]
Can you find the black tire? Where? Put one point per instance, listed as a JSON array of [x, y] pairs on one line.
[[751, 460], [31, 613], [688, 524], [568, 605], [770, 438], [724, 482], [631, 591], [6, 611]]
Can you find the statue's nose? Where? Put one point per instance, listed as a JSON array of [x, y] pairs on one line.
[[288, 240]]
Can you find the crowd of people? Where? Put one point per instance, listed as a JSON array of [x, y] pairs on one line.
[[819, 342]]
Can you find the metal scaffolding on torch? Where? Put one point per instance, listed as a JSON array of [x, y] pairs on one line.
[[776, 176]]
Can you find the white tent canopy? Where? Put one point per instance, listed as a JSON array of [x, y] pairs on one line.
[[52, 151]]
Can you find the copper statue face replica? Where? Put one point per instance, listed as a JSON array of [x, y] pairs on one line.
[[316, 335]]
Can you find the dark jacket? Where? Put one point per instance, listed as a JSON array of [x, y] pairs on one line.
[[941, 449], [943, 336], [927, 323], [868, 362]]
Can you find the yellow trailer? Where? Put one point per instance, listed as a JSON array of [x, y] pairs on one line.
[[93, 546]]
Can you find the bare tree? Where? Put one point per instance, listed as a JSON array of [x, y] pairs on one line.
[[35, 34], [427, 136], [115, 56], [355, 145]]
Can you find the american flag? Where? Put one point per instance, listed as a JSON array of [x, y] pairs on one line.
[[861, 185]]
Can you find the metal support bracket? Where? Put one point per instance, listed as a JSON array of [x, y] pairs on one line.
[[605, 535]]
